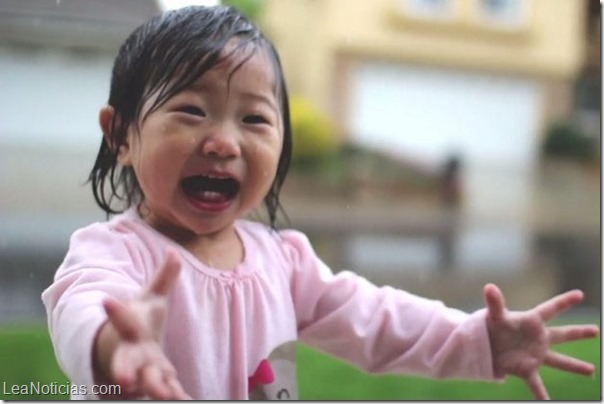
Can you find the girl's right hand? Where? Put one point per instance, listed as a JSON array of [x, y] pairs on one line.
[[132, 336]]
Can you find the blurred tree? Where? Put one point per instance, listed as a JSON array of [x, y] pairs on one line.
[[250, 8]]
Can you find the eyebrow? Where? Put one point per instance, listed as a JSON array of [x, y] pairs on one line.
[[261, 98], [258, 97]]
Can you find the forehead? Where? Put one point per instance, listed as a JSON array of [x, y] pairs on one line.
[[247, 65]]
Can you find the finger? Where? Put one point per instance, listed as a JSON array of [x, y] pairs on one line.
[[126, 367], [567, 333], [558, 304], [569, 364], [178, 392], [153, 383], [537, 387], [123, 320], [495, 301], [166, 276], [124, 371]]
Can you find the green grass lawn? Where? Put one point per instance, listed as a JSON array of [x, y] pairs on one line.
[[26, 356], [323, 378]]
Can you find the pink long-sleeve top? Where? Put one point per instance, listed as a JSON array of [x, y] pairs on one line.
[[232, 334]]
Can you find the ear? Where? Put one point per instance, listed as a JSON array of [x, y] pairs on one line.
[[106, 117]]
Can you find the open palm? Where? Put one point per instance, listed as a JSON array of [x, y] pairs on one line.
[[139, 364], [521, 341]]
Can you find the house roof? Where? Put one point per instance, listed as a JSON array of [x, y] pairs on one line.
[[96, 24]]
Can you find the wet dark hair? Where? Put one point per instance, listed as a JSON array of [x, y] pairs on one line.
[[164, 56]]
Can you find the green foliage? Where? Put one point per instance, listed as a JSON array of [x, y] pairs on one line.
[[564, 139], [250, 8], [313, 133]]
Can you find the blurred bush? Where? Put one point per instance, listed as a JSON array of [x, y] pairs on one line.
[[250, 8], [313, 133], [565, 139]]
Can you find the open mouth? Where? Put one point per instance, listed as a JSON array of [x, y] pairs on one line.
[[210, 189]]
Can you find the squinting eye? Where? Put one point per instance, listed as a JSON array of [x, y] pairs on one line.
[[255, 119], [192, 110]]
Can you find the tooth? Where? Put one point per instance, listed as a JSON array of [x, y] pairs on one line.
[[210, 195]]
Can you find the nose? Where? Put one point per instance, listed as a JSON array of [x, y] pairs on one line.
[[221, 144]]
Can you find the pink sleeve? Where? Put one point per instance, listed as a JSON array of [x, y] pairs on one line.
[[383, 329], [98, 265]]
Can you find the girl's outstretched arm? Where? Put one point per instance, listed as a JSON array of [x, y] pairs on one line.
[[127, 351], [521, 341]]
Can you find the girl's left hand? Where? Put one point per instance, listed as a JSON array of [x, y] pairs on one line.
[[520, 340]]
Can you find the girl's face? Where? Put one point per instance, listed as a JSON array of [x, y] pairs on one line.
[[209, 154]]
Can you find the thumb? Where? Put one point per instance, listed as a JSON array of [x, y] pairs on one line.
[[165, 277], [125, 322], [495, 302]]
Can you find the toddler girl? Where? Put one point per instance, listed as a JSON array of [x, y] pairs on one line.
[[179, 296]]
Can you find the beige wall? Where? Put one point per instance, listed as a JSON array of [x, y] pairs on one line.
[[319, 39]]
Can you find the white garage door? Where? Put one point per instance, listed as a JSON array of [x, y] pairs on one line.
[[491, 121], [430, 112]]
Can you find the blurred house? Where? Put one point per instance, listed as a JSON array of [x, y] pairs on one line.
[[55, 67], [588, 91], [427, 79]]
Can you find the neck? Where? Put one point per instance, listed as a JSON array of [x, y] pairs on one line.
[[219, 250]]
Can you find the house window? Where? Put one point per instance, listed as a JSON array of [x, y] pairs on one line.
[[439, 9], [509, 13]]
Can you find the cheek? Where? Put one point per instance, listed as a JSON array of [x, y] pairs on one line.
[[270, 159], [262, 163], [158, 163]]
